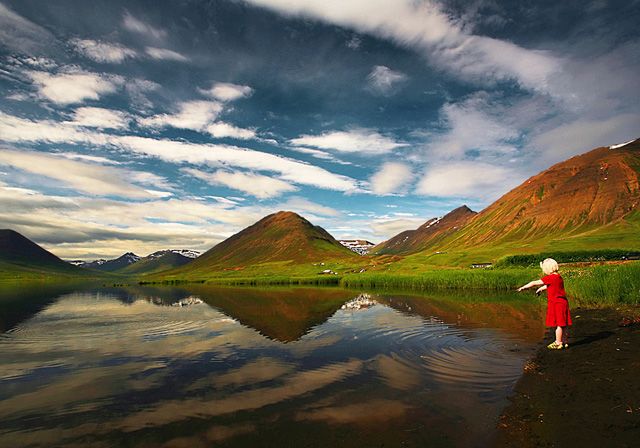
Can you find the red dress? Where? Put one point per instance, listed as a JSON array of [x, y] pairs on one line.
[[558, 314]]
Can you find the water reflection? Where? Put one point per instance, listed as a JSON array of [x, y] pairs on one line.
[[253, 367]]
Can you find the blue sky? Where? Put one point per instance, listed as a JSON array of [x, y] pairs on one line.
[[142, 125]]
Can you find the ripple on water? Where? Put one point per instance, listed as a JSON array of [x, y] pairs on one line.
[[474, 360]]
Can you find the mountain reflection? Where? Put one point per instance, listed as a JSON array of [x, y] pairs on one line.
[[258, 367]]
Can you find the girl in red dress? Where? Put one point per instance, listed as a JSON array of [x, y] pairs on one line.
[[558, 314]]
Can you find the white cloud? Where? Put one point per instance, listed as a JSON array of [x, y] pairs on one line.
[[391, 178], [97, 117], [164, 54], [132, 24], [384, 80], [224, 91], [14, 129], [73, 87], [88, 158], [221, 130], [471, 126], [355, 141], [467, 179], [563, 141], [194, 115], [303, 206], [225, 155], [318, 154], [257, 185], [84, 177], [427, 28], [102, 51]]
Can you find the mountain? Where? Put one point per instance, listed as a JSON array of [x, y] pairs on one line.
[[116, 264], [158, 261], [361, 247], [592, 197], [427, 235], [188, 253], [279, 237], [19, 254], [588, 202]]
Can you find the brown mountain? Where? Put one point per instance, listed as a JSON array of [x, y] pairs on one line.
[[282, 236], [427, 235], [596, 193]]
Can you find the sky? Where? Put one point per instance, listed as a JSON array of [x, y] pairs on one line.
[[143, 125]]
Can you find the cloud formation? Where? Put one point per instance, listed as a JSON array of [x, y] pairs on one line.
[[391, 178], [164, 54], [195, 115], [98, 117], [102, 51], [135, 25], [427, 28], [73, 87], [262, 187], [359, 140], [383, 80], [88, 178], [225, 91]]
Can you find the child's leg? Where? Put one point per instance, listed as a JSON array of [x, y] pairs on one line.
[[559, 335]]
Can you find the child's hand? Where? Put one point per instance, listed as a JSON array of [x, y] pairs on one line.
[[522, 288], [540, 289]]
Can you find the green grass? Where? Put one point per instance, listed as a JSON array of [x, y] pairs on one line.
[[23, 272], [455, 279], [604, 284]]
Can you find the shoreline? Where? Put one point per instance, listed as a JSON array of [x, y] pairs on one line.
[[587, 395]]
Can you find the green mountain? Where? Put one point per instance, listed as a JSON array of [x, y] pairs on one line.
[[22, 258]]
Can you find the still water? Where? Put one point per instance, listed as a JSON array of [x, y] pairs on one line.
[[258, 367]]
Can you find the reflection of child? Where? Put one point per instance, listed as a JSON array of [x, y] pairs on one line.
[[558, 314]]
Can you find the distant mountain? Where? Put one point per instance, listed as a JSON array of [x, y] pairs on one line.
[[116, 264], [188, 253], [427, 235], [19, 253], [361, 247], [158, 261], [282, 236]]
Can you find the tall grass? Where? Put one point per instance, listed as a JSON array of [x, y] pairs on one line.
[[532, 260], [460, 279], [604, 285], [591, 285]]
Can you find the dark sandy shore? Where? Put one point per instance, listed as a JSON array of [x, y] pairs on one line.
[[585, 396]]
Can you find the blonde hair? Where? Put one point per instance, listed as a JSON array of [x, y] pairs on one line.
[[549, 266]]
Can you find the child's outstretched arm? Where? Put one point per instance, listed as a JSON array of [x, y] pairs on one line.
[[531, 284], [540, 289]]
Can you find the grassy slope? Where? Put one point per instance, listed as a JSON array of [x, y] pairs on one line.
[[27, 272]]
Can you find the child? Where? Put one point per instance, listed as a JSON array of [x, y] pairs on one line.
[[557, 305]]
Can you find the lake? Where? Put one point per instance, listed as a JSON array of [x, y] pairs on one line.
[[245, 367]]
